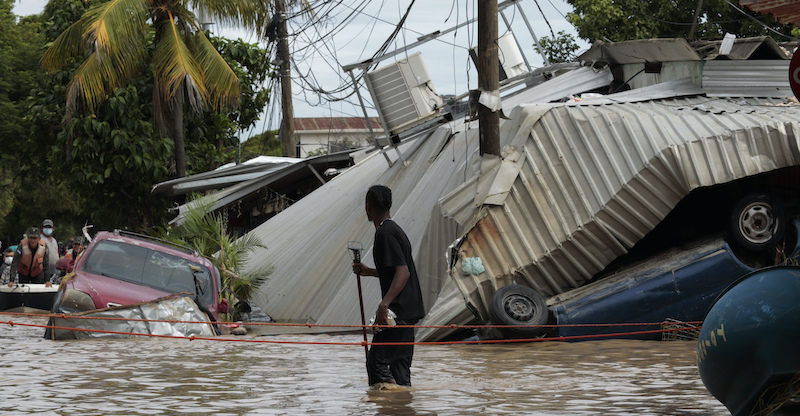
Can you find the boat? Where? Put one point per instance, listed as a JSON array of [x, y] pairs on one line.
[[747, 351], [27, 298]]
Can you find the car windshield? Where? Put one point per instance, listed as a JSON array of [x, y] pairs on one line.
[[149, 267]]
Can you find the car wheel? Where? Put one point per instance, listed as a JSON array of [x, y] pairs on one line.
[[518, 305], [757, 222]]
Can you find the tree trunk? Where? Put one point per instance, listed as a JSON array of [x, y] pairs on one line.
[[178, 135], [287, 122], [488, 76], [694, 21]]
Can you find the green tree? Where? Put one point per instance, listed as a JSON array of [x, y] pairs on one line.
[[204, 231], [216, 134], [111, 42], [266, 143], [109, 158], [29, 188], [618, 20], [562, 48]]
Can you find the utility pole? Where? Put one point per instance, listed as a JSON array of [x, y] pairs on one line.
[[488, 76], [287, 121]]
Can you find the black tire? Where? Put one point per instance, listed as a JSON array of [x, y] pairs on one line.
[[518, 305], [757, 222]]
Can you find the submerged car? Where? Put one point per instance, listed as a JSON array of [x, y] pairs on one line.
[[122, 268], [680, 284]]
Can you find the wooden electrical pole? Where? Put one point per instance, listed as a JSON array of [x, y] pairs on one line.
[[287, 121], [488, 76]]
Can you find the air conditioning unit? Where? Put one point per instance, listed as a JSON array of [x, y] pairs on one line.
[[511, 59], [403, 93]]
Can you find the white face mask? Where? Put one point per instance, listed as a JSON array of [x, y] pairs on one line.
[[8, 260], [47, 231]]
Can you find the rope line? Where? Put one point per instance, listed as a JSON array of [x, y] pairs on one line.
[[362, 343], [355, 326]]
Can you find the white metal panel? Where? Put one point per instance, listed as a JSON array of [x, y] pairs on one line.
[[737, 78]]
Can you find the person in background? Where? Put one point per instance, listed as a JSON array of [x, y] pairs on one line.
[[49, 240], [394, 267], [31, 262], [8, 257], [76, 250]]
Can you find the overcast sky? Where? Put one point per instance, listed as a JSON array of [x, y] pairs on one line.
[[447, 58]]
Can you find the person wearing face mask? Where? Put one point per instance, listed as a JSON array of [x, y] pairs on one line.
[[8, 257], [49, 240]]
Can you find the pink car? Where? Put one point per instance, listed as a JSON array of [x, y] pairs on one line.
[[122, 268]]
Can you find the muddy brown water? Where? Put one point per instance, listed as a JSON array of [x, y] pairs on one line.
[[181, 377]]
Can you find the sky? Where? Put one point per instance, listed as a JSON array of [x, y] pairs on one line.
[[359, 34]]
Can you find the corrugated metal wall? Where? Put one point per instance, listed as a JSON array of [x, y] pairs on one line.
[[737, 78], [596, 178], [312, 280]]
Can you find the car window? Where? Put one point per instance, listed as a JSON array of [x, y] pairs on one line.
[[144, 266]]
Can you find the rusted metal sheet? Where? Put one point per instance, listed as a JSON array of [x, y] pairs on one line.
[[785, 11], [596, 178]]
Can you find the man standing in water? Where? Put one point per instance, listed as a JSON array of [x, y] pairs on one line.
[[395, 269]]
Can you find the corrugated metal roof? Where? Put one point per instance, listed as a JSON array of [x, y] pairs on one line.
[[785, 11], [305, 124], [580, 184], [312, 280], [223, 177], [640, 51], [574, 82], [760, 47], [761, 78]]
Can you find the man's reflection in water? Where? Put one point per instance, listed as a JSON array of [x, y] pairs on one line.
[[394, 402]]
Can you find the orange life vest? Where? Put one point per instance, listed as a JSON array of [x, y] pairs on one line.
[[31, 264]]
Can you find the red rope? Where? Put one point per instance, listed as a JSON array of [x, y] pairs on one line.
[[363, 343], [309, 325]]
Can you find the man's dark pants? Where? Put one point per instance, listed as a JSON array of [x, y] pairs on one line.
[[387, 362]]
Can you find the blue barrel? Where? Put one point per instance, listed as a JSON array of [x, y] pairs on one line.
[[748, 353]]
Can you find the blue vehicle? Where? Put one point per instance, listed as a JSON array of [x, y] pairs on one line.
[[681, 284]]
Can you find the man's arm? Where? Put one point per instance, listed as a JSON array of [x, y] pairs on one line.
[[363, 270], [12, 270], [47, 268], [401, 275]]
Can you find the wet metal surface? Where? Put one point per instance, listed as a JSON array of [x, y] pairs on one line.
[[170, 377]]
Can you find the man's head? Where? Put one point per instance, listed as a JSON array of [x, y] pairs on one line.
[[77, 244], [33, 237], [379, 200], [47, 227], [8, 254]]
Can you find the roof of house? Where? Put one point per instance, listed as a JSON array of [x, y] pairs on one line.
[[785, 11], [334, 123]]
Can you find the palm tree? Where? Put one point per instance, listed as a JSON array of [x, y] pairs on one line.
[[204, 231], [111, 40]]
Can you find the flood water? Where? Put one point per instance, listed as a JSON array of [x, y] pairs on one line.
[[181, 377]]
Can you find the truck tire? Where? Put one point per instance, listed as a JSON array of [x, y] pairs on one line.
[[518, 305], [757, 222]]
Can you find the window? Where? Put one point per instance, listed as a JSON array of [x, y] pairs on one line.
[[148, 267]]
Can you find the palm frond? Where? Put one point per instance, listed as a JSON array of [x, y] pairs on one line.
[[221, 82], [115, 30], [68, 44], [250, 14], [176, 66], [90, 82]]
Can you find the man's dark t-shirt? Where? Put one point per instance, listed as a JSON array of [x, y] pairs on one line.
[[391, 249]]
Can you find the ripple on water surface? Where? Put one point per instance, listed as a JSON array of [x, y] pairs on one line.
[[169, 377]]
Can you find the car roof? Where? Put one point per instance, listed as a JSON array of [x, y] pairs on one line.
[[152, 243]]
